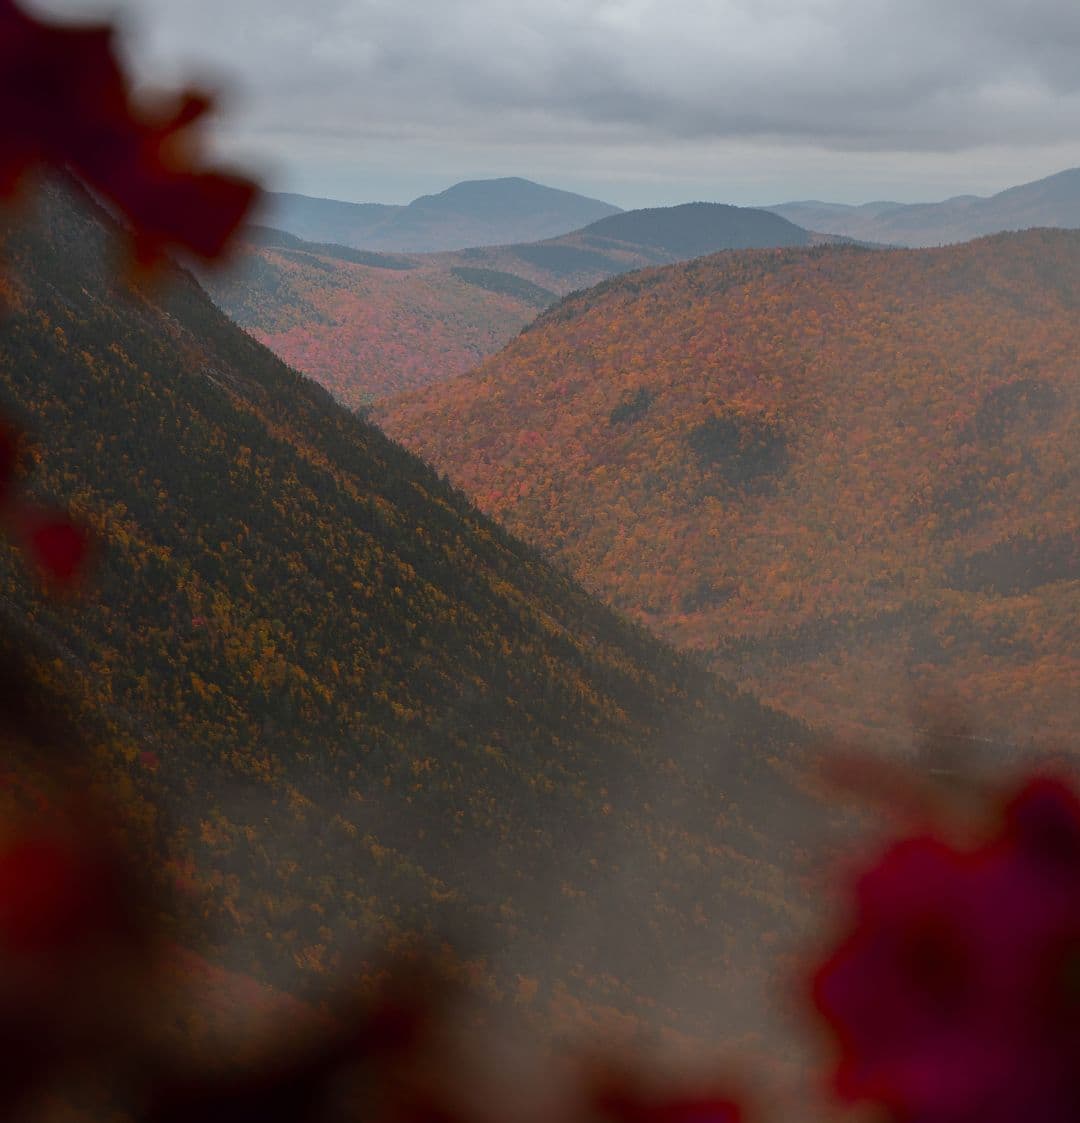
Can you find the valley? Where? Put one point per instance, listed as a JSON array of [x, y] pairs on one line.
[[368, 325]]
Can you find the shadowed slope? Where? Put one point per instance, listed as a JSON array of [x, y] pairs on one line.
[[363, 711]]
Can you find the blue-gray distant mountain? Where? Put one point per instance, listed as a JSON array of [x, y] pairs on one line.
[[1054, 201], [695, 229], [484, 212]]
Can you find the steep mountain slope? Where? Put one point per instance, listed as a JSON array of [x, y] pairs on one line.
[[849, 476], [359, 708], [368, 325], [474, 213], [1054, 201]]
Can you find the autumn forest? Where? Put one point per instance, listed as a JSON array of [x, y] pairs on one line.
[[511, 656]]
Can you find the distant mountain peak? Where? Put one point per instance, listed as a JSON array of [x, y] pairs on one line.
[[475, 212], [694, 229], [508, 196]]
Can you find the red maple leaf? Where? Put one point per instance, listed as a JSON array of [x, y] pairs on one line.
[[65, 103], [953, 998]]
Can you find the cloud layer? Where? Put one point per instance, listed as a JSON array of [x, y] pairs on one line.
[[913, 76]]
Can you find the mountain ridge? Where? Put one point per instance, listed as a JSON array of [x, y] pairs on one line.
[[1053, 201], [472, 212]]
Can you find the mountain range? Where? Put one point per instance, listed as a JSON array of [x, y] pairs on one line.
[[370, 324], [500, 211], [473, 213], [1053, 201], [367, 325]]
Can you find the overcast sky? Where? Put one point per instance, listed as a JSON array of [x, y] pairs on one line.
[[637, 102]]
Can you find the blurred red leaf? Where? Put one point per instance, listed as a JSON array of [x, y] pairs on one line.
[[9, 446], [57, 546], [59, 896], [953, 998], [619, 1097], [65, 103]]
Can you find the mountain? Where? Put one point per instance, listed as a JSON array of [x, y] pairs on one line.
[[368, 325], [848, 477], [355, 712], [474, 213], [1054, 201], [695, 229], [331, 220], [512, 199]]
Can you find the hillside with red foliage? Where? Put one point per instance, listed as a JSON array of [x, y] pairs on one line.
[[844, 475], [363, 329], [368, 325]]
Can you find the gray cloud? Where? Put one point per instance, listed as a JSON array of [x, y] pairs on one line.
[[910, 76]]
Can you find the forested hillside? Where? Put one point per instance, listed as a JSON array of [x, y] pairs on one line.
[[354, 711], [367, 325], [848, 477]]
